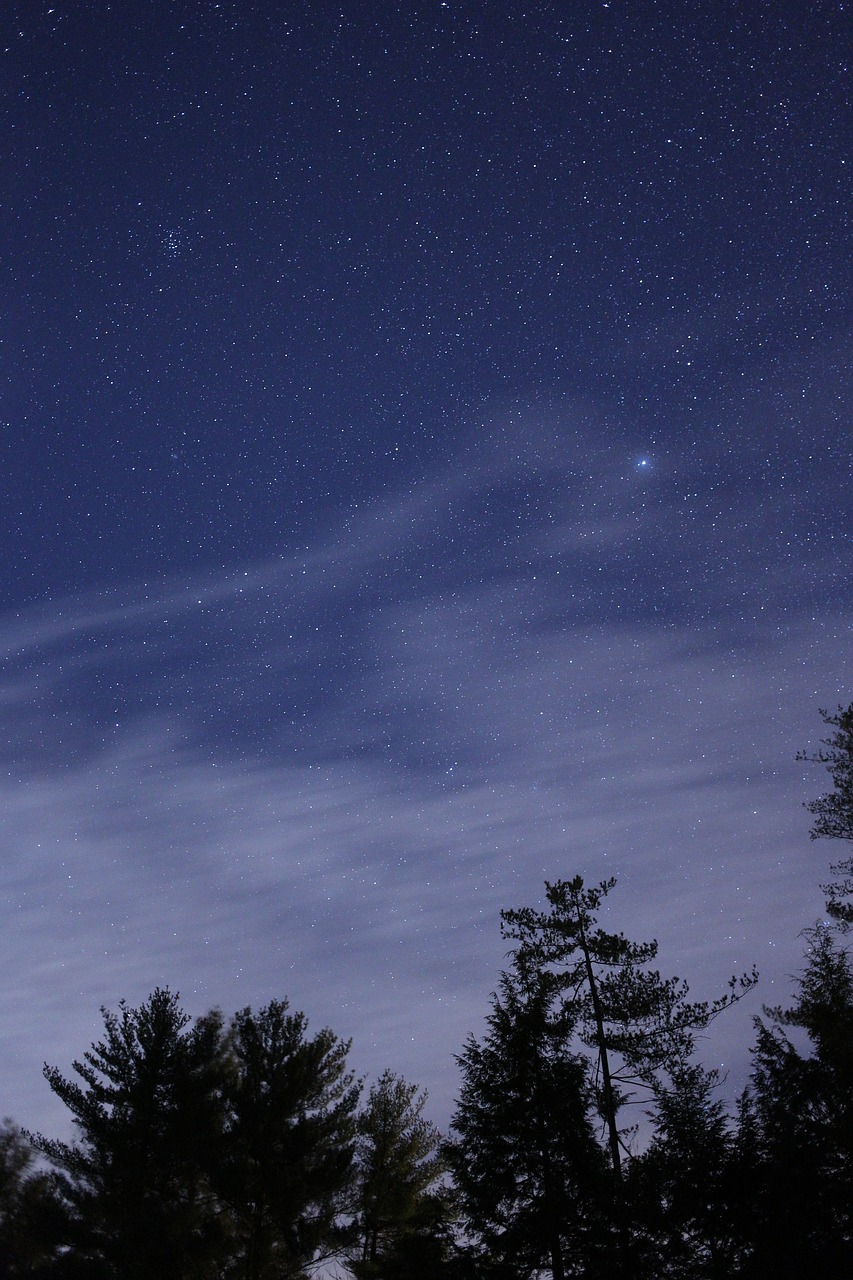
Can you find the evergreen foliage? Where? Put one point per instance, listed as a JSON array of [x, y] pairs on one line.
[[531, 1176], [685, 1188], [134, 1186], [833, 812], [283, 1170], [202, 1150], [802, 1105], [399, 1209], [639, 1027]]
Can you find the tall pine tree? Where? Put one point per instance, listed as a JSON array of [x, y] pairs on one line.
[[399, 1205], [284, 1169], [145, 1106], [802, 1114], [638, 1027], [531, 1176]]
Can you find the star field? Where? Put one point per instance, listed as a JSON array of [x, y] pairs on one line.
[[426, 470]]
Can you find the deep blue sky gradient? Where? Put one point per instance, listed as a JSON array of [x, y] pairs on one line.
[[426, 470]]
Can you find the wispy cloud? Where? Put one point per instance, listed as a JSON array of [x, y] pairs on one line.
[[325, 775]]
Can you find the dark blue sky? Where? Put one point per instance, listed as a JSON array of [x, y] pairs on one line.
[[426, 470]]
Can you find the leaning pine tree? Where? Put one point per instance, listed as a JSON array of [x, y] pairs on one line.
[[637, 1027]]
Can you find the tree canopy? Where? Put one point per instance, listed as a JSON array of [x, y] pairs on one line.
[[202, 1146]]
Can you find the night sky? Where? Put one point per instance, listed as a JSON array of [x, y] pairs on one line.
[[426, 470]]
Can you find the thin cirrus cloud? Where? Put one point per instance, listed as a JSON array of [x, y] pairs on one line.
[[323, 776]]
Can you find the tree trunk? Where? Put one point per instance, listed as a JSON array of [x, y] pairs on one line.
[[609, 1107]]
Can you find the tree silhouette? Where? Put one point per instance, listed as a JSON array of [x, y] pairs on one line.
[[530, 1174], [397, 1168], [31, 1215], [686, 1188], [146, 1108], [802, 1105], [639, 1027], [833, 812], [202, 1152], [284, 1169]]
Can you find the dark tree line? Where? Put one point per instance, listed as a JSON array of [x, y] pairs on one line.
[[246, 1149]]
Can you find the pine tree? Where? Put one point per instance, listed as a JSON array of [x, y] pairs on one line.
[[685, 1187], [530, 1174], [833, 812], [284, 1170], [145, 1107], [204, 1152], [802, 1104], [398, 1166], [639, 1027]]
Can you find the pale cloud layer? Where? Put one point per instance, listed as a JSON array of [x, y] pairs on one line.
[[323, 776]]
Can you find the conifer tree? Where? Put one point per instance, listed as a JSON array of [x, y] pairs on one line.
[[639, 1027], [684, 1189], [530, 1174], [145, 1106], [398, 1165], [284, 1171], [802, 1103], [833, 812], [203, 1152]]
